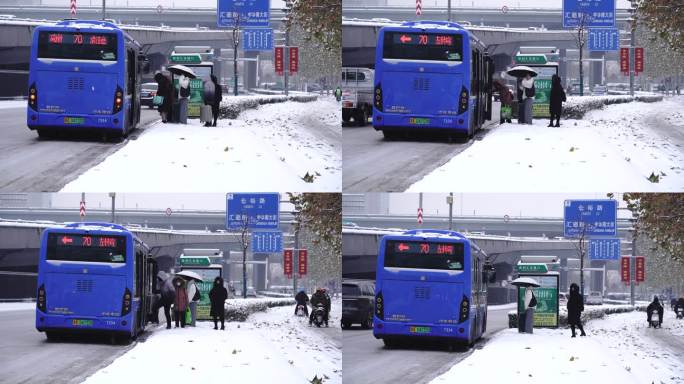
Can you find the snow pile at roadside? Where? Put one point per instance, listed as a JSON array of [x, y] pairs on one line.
[[9, 104], [618, 349], [241, 309], [6, 307], [279, 147], [676, 118], [232, 106], [577, 106], [613, 149], [590, 312], [272, 347]]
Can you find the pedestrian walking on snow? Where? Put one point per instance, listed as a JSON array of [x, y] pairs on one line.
[[557, 100], [575, 308], [180, 303], [530, 305], [218, 296], [526, 94]]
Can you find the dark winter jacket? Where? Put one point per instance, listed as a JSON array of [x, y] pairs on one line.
[[321, 297], [181, 300], [575, 305], [168, 292], [655, 306], [505, 93], [557, 96], [680, 303], [218, 296], [218, 93], [165, 89], [301, 297]]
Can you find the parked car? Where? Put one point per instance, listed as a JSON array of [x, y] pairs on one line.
[[251, 292], [358, 297], [147, 93], [599, 90], [594, 298]]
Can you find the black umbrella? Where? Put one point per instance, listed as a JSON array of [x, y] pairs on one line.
[[521, 71]]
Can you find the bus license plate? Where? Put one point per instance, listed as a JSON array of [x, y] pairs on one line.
[[82, 323], [419, 121], [419, 330], [74, 120]]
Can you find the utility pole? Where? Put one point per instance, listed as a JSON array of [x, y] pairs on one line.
[[582, 243], [420, 205], [450, 201], [632, 62], [113, 196], [286, 49], [632, 261], [82, 201], [244, 262], [104, 7], [295, 264], [449, 16], [236, 42]]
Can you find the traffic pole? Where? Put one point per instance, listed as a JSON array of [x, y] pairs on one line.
[[632, 262], [449, 16], [420, 207], [632, 63], [451, 206], [295, 264], [104, 7], [82, 202]]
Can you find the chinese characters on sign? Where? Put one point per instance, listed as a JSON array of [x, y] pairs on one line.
[[590, 218], [604, 249], [242, 13], [279, 67], [267, 242], [253, 210], [624, 61], [302, 259], [287, 262], [604, 39], [624, 269], [638, 60], [591, 13], [639, 269], [294, 60], [257, 39]]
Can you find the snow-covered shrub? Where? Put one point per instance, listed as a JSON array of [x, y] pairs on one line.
[[590, 313], [577, 106], [274, 294], [240, 309], [232, 107]]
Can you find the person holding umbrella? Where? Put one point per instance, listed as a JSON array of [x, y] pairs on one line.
[[526, 91], [526, 318], [184, 75], [180, 302], [192, 292]]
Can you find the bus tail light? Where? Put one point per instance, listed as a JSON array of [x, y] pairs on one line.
[[379, 306], [463, 100], [118, 100], [33, 97], [40, 300], [126, 305], [377, 97], [464, 310]]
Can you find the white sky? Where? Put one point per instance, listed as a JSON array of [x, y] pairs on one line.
[[143, 3], [177, 201], [492, 204], [511, 4]]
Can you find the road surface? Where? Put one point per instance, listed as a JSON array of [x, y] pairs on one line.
[[365, 360], [373, 164], [28, 164], [27, 357]]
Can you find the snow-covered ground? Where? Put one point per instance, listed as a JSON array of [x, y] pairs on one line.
[[8, 104], [618, 349], [287, 146], [5, 307], [270, 347], [613, 149]]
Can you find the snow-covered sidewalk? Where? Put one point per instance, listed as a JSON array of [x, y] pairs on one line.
[[22, 306], [618, 349], [287, 146], [613, 149], [270, 347]]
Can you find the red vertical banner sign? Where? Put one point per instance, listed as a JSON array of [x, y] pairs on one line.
[[279, 68], [294, 60], [640, 269], [624, 270], [287, 261], [638, 60], [73, 8], [624, 61], [302, 255]]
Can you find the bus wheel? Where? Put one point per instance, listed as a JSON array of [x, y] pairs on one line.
[[390, 134], [368, 323], [362, 118], [45, 133], [346, 116], [389, 343], [346, 325], [52, 336]]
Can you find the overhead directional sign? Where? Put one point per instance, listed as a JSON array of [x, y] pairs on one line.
[[591, 13], [604, 249], [253, 210], [257, 39], [604, 39], [267, 242], [242, 13], [590, 218], [531, 268]]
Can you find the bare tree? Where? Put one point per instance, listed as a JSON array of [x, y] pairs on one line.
[[581, 248], [236, 43], [244, 239], [579, 35]]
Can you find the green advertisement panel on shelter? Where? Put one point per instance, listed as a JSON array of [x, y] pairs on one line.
[[546, 66], [546, 312], [208, 275]]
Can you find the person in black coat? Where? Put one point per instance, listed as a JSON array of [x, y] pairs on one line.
[[320, 296], [575, 309], [218, 296], [654, 306], [557, 99], [165, 90], [302, 298], [218, 96]]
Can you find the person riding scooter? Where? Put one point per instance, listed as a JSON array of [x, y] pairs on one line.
[[679, 308], [320, 297], [302, 299], [653, 308]]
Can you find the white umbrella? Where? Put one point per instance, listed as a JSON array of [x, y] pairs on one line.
[[182, 70], [190, 275], [521, 71], [525, 282]]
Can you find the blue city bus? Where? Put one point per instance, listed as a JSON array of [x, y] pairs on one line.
[[93, 278], [430, 284], [431, 75], [84, 75]]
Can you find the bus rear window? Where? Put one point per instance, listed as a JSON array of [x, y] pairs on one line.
[[93, 248], [77, 46], [423, 46], [424, 255]]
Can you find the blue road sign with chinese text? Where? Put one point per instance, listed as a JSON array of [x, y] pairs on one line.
[[604, 249], [246, 13], [255, 210], [604, 39], [590, 218], [267, 242], [597, 13], [257, 39]]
